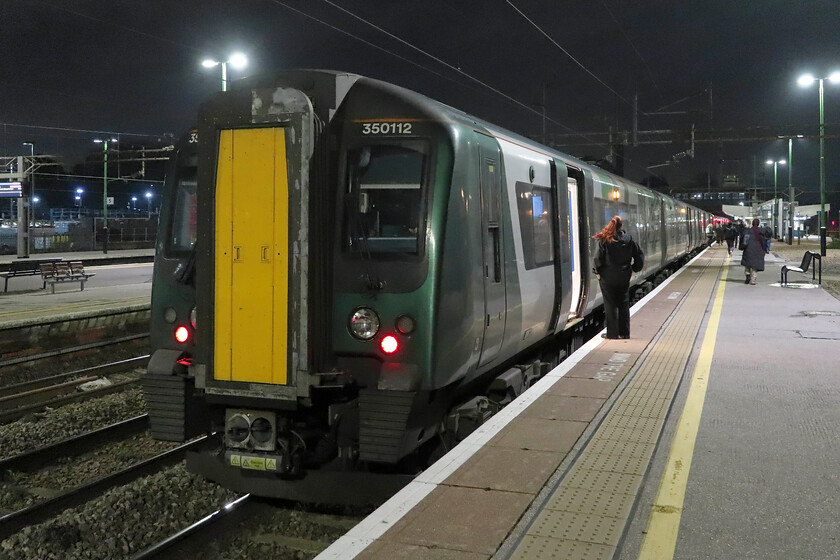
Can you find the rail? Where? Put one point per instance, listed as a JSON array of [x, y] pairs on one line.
[[40, 512]]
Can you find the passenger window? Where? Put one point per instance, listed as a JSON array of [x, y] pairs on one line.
[[536, 211]]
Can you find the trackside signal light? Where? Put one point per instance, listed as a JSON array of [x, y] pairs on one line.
[[182, 334], [389, 344]]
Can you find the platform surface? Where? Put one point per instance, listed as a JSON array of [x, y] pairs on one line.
[[727, 392], [26, 301]]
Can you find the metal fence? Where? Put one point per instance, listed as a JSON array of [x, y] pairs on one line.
[[85, 234]]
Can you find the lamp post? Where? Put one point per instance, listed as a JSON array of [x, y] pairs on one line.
[[805, 81], [134, 203], [79, 192], [105, 190], [31, 195], [775, 164], [237, 60], [149, 202], [32, 174]]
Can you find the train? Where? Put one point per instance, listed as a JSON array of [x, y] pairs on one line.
[[350, 277]]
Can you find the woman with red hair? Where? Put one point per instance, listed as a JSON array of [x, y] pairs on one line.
[[617, 257]]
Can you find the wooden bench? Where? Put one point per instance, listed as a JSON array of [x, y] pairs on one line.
[[53, 273], [807, 260], [25, 267]]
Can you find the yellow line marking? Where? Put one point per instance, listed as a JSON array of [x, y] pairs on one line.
[[660, 539]]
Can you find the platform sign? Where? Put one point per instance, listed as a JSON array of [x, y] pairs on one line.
[[109, 200], [11, 189]]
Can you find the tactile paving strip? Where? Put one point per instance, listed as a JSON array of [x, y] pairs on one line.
[[587, 513]]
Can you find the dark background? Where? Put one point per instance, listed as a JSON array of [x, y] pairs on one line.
[[75, 70]]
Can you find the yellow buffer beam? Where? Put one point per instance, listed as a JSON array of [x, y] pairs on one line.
[[252, 256]]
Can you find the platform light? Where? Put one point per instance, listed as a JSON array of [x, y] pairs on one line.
[[237, 60], [806, 80], [616, 194]]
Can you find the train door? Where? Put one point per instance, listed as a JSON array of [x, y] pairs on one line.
[[492, 248], [578, 237], [251, 274], [563, 246]]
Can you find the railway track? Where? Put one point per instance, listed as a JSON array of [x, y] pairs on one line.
[[20, 369], [73, 497], [21, 399], [268, 529]]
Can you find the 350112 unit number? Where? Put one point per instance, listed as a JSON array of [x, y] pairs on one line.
[[386, 128]]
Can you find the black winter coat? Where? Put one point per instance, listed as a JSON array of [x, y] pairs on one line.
[[753, 256], [615, 261]]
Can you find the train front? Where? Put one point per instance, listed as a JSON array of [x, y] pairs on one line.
[[307, 355]]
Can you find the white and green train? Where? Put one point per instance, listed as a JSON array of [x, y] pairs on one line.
[[351, 276]]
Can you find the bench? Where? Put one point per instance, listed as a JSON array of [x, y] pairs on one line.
[[25, 267], [807, 260], [74, 271]]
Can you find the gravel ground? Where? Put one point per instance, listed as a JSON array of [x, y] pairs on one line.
[[289, 534], [20, 490], [122, 522], [42, 428]]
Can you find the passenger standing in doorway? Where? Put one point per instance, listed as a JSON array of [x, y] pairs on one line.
[[617, 257], [754, 250]]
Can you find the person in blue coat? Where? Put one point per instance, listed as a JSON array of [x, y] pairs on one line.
[[616, 258]]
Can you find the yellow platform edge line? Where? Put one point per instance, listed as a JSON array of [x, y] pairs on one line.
[[663, 525]]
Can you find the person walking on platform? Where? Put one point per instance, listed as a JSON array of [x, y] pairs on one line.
[[754, 250], [740, 228], [617, 257], [730, 235]]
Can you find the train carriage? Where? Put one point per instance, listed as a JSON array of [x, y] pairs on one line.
[[350, 277]]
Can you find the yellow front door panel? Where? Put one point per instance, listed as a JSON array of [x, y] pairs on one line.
[[252, 223]]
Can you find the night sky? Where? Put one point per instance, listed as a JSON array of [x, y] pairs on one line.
[[74, 70]]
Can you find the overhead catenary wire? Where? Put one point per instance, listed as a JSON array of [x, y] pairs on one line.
[[567, 53], [635, 50], [368, 43], [461, 72], [448, 65], [81, 130]]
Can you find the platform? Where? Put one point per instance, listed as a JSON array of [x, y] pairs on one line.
[[23, 306], [711, 433]]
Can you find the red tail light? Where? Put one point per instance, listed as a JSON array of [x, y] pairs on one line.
[[389, 344], [182, 334]]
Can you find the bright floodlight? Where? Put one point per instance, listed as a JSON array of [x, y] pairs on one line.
[[80, 190], [209, 63], [148, 195], [834, 78], [238, 61], [782, 162], [806, 80], [769, 162]]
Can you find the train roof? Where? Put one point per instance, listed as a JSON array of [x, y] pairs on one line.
[[344, 82]]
